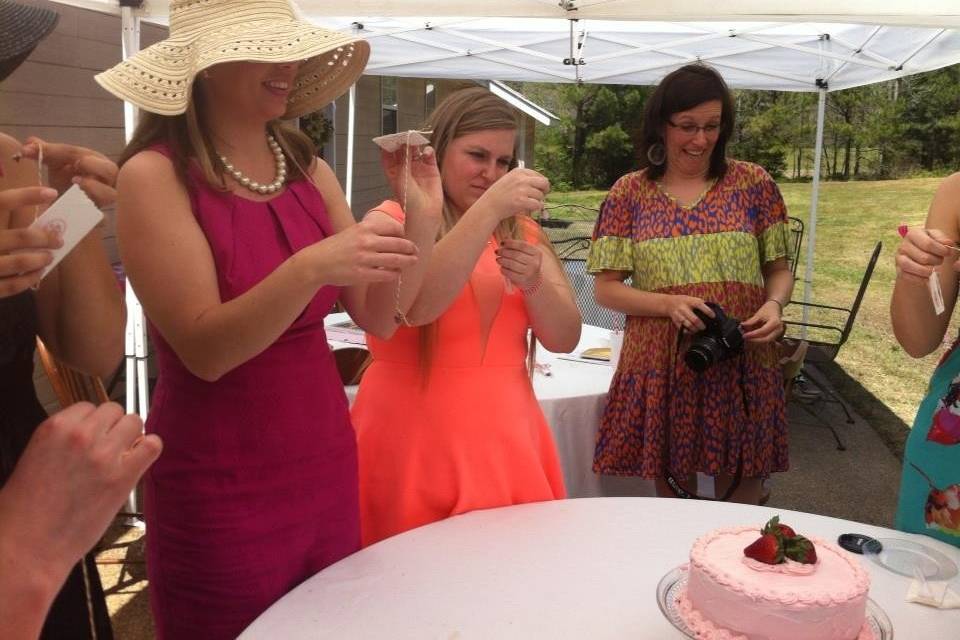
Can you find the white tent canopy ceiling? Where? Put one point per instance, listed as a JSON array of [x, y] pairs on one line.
[[779, 56], [634, 42], [934, 13]]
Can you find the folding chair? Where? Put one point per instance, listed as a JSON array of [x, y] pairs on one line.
[[825, 340], [582, 283], [572, 247], [796, 239], [69, 385]]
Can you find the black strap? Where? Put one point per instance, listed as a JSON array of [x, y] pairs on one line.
[[675, 487]]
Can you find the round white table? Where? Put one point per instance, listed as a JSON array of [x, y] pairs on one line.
[[564, 569], [572, 398]]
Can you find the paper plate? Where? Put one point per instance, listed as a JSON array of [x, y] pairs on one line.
[[596, 353], [909, 558]]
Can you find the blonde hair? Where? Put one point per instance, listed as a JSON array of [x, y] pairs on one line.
[[188, 138], [461, 113]]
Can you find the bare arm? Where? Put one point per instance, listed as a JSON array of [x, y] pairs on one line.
[[172, 269], [915, 324], [611, 292]]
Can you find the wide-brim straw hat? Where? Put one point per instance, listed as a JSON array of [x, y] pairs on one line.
[[21, 28], [204, 33]]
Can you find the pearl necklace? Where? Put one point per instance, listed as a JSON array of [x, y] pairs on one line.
[[253, 185]]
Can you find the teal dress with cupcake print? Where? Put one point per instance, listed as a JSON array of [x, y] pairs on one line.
[[930, 486]]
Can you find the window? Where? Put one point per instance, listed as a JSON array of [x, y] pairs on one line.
[[388, 102]]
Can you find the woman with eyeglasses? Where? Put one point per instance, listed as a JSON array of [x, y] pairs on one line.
[[704, 241]]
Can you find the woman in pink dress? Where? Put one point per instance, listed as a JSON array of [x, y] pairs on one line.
[[238, 241]]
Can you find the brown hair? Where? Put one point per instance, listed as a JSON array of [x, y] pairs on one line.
[[683, 89], [463, 112], [189, 140], [468, 111]]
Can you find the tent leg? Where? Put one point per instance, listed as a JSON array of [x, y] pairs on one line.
[[351, 128], [814, 198], [135, 337], [330, 148]]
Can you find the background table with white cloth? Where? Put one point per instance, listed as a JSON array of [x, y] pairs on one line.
[[572, 398], [561, 569]]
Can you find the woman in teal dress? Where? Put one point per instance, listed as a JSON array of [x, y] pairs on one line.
[[930, 486]]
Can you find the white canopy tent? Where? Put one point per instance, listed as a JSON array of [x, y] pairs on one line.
[[755, 44]]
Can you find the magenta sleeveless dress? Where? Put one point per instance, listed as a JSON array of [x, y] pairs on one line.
[[256, 489]]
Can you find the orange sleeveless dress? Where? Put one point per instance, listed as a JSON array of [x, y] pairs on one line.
[[474, 436]]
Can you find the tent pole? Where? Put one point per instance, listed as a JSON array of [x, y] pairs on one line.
[[351, 126], [135, 338], [814, 198], [330, 148]]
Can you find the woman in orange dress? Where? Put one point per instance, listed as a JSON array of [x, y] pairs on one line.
[[446, 418]]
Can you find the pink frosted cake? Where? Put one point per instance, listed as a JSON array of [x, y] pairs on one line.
[[730, 596]]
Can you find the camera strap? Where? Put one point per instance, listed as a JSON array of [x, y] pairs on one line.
[[672, 482]]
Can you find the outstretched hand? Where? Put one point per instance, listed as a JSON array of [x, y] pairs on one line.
[[422, 186], [922, 250], [24, 252], [77, 470], [766, 325], [373, 250], [68, 164], [520, 262], [680, 310], [520, 191]]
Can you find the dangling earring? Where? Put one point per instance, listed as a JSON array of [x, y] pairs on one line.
[[656, 154]]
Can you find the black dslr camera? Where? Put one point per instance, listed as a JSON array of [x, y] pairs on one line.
[[722, 339]]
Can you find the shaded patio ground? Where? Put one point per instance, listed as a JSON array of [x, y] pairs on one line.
[[860, 483]]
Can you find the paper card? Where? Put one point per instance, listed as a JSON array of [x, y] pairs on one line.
[[393, 141], [936, 293], [74, 215]]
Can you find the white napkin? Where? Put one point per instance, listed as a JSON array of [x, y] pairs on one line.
[[933, 593]]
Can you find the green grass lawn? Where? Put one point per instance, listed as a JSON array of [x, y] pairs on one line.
[[851, 218]]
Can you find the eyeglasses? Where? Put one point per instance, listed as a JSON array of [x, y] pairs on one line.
[[690, 129]]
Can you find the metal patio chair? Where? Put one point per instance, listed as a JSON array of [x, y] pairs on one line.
[[824, 343], [796, 239]]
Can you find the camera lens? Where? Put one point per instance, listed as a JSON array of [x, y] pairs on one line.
[[697, 359], [703, 353]]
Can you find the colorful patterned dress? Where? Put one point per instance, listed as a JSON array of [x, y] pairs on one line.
[[734, 413], [930, 485]]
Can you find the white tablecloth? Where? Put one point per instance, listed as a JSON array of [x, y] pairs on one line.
[[562, 569], [572, 399]]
